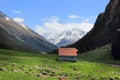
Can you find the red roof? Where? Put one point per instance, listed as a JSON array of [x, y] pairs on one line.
[[67, 52]]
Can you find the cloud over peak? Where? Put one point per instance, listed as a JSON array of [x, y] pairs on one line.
[[53, 26], [17, 12], [73, 16], [18, 20]]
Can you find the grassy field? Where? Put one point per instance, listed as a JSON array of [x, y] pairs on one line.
[[28, 66], [99, 55]]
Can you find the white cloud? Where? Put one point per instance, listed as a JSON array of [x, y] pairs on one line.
[[53, 26], [86, 20], [51, 19], [73, 16], [18, 20], [40, 29], [17, 12]]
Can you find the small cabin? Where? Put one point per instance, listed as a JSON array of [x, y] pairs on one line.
[[67, 54]]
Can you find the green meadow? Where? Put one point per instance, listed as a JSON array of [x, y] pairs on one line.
[[29, 66]]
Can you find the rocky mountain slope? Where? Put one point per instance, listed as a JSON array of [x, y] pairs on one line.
[[116, 45], [67, 37], [19, 37], [104, 29]]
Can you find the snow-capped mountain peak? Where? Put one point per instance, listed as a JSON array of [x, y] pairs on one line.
[[67, 37]]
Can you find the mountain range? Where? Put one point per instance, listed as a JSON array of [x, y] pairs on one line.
[[105, 31], [19, 37], [66, 37]]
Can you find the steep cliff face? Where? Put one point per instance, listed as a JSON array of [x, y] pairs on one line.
[[104, 29], [116, 46], [116, 25]]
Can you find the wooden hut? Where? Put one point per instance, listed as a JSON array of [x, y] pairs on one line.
[[67, 54]]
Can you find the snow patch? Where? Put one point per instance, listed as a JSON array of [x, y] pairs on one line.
[[23, 26], [19, 39], [7, 18]]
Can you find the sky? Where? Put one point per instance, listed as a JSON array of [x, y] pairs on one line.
[[54, 16]]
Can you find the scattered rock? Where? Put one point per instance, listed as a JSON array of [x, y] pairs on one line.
[[3, 69], [36, 66], [28, 72], [117, 78], [64, 74], [76, 69], [21, 68], [13, 70], [13, 64], [110, 78], [42, 66], [93, 79], [78, 77], [30, 69], [52, 74], [63, 78], [44, 73], [89, 75], [38, 75], [105, 77], [1, 64], [102, 78], [48, 71]]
